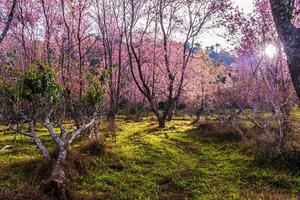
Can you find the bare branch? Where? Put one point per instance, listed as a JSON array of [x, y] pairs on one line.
[[82, 128], [9, 20]]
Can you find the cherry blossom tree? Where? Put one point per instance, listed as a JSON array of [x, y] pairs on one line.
[[157, 22], [261, 83], [204, 78], [113, 56]]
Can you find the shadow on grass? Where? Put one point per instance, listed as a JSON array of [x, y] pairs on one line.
[[220, 134], [287, 161], [259, 169], [31, 172]]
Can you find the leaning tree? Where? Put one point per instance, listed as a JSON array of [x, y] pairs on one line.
[[285, 14]]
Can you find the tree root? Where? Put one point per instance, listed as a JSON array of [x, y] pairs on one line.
[[56, 190]]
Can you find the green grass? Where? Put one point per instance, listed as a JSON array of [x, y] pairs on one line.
[[145, 162]]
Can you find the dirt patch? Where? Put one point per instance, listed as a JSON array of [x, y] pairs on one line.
[[219, 132]]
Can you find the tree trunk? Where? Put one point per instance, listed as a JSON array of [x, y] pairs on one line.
[[138, 115], [198, 115], [37, 140], [162, 122], [235, 124], [55, 187], [294, 67], [112, 120], [279, 146], [170, 115], [58, 173], [240, 132], [41, 147], [97, 131], [197, 118], [282, 129], [290, 38]]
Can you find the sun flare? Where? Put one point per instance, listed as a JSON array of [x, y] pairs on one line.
[[270, 50]]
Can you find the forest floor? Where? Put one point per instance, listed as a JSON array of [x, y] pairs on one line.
[[181, 161]]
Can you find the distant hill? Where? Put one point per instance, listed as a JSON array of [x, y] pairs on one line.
[[222, 56]]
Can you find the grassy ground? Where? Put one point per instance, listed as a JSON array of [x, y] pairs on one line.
[[179, 162]]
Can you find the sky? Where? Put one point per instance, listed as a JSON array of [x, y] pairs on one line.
[[246, 5], [211, 37]]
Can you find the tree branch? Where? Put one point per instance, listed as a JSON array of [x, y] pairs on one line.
[[9, 20]]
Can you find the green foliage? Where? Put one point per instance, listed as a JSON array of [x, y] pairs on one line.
[[95, 93], [9, 92], [97, 79], [39, 82]]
